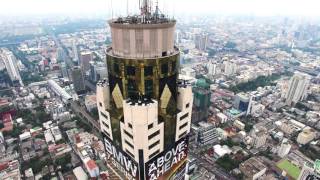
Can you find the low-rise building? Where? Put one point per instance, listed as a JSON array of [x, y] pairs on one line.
[[253, 168], [91, 167], [222, 118], [306, 136], [220, 151], [80, 174], [90, 102], [310, 171], [206, 134], [259, 137], [239, 124]]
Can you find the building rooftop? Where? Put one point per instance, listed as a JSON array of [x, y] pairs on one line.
[[252, 166]]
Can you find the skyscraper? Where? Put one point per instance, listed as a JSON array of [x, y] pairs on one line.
[[297, 89], [201, 41], [230, 68], [98, 70], [85, 58], [144, 110], [78, 80], [64, 70], [202, 96], [11, 66], [75, 52]]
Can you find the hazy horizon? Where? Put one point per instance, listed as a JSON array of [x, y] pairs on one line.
[[309, 8]]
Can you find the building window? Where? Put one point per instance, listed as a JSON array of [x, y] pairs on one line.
[[116, 68], [132, 90], [130, 154], [187, 105], [184, 116], [183, 125], [154, 134], [104, 115], [105, 124], [128, 134], [131, 71], [100, 104], [164, 53], [150, 126], [164, 68], [130, 125], [129, 144], [153, 154], [148, 70], [173, 66], [106, 133], [183, 134], [148, 87], [154, 144]]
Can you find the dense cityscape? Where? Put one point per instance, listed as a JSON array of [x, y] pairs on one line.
[[153, 97]]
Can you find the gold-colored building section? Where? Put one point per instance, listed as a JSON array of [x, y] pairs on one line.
[[154, 78]]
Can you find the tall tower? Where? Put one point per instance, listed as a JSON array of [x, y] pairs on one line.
[[11, 66], [298, 87], [144, 110], [78, 80]]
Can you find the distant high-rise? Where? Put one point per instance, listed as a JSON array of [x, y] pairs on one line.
[[78, 80], [98, 70], [201, 41], [11, 65], [75, 52], [297, 89], [202, 96], [230, 68], [145, 114], [64, 70], [212, 68], [85, 58]]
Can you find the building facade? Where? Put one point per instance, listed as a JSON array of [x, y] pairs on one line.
[[11, 65], [78, 80], [310, 171], [206, 134], [144, 110], [297, 89], [85, 58]]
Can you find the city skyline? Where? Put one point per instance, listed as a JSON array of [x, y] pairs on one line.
[[167, 92], [173, 8]]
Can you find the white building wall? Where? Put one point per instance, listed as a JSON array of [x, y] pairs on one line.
[[103, 97], [297, 90], [184, 104], [140, 122]]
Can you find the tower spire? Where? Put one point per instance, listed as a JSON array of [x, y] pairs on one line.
[[145, 7]]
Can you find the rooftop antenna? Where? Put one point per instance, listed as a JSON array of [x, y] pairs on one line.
[[111, 9], [157, 9], [145, 8]]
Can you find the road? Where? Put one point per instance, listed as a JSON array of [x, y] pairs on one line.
[[67, 59], [79, 110]]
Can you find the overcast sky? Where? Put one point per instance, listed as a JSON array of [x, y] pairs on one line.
[[171, 7]]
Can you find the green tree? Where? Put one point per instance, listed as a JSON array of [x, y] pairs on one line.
[[227, 163]]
